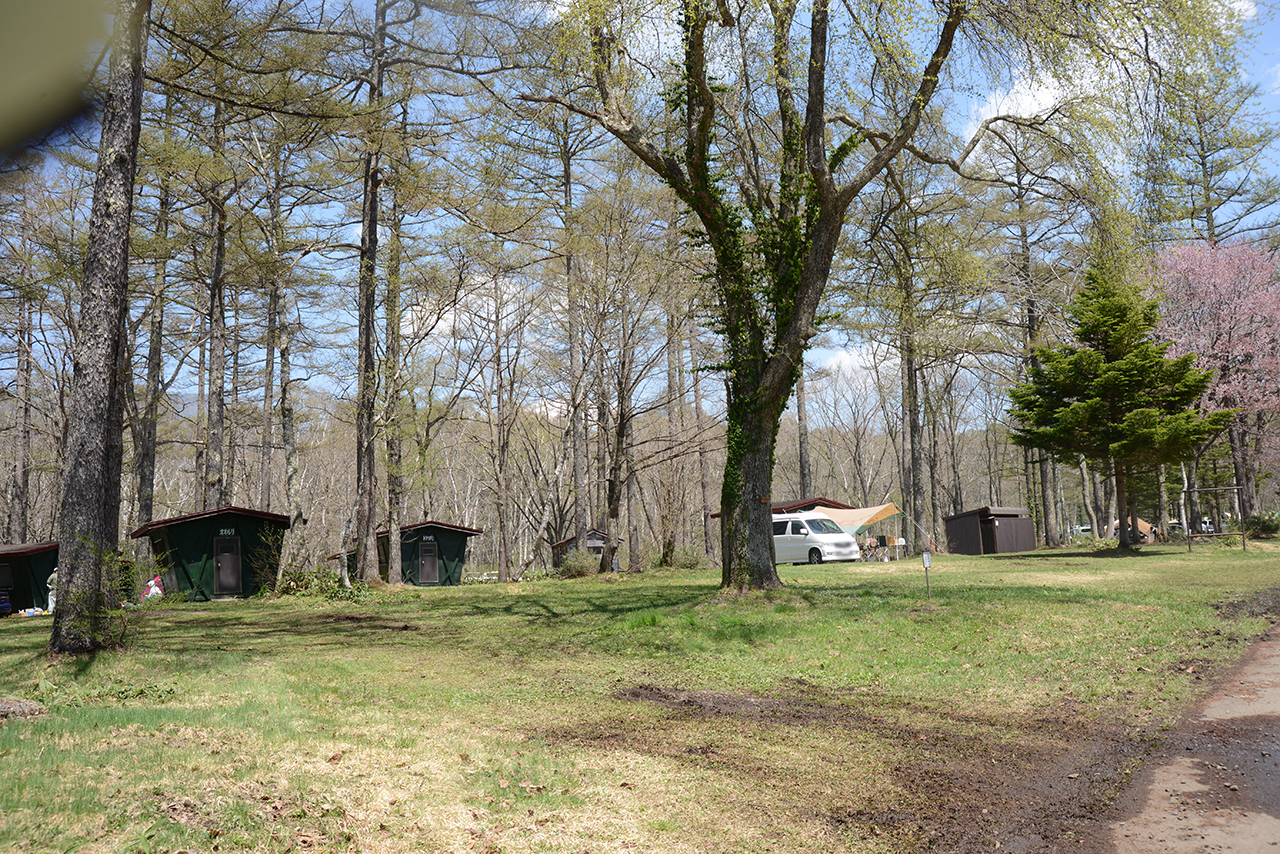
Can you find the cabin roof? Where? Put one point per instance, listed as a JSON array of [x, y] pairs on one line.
[[24, 549], [204, 514]]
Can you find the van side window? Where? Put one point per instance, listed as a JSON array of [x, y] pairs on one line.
[[797, 527], [779, 528]]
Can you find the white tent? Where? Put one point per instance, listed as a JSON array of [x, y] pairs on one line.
[[858, 519]]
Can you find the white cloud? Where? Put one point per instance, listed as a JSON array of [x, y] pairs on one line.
[[855, 365]]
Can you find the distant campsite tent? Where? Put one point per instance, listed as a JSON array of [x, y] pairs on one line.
[[432, 554], [859, 519], [217, 554], [855, 520], [24, 572]]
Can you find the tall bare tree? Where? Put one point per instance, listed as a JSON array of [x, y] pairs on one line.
[[88, 532]]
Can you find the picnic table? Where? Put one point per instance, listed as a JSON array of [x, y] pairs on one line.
[[890, 549]]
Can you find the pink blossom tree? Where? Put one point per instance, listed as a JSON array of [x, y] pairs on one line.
[[1222, 302]]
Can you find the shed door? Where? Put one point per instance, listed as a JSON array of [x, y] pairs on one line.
[[6, 575], [226, 565], [428, 566]]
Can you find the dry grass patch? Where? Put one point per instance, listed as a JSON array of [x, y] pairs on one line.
[[845, 713]]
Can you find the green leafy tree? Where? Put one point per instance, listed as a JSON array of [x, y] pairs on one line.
[[769, 120], [1115, 399], [1202, 179]]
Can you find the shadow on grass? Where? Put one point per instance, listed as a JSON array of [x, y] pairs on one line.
[[633, 619], [471, 620], [1059, 554], [547, 610]]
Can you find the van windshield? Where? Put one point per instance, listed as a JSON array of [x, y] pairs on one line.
[[824, 526]]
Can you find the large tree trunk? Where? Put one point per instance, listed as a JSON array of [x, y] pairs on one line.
[[1122, 503], [1089, 499], [291, 549], [87, 537], [935, 483], [915, 439], [577, 369], [395, 416], [268, 396], [1162, 501], [754, 402], [746, 520], [146, 438], [633, 522], [500, 438], [618, 469], [215, 426], [1048, 505], [272, 342], [932, 459], [1101, 505], [706, 490], [233, 415], [202, 407], [1029, 489], [367, 298], [1191, 499], [802, 427], [20, 486], [957, 489], [501, 418], [215, 489], [672, 509], [1237, 437]]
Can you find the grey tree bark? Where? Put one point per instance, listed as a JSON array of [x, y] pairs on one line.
[[87, 533], [1087, 493], [394, 394], [367, 301], [20, 485], [802, 426], [704, 464], [215, 485]]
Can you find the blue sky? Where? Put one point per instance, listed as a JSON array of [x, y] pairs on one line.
[[1264, 62]]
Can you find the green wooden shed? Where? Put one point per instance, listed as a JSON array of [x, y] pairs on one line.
[[432, 554], [218, 554], [24, 572]]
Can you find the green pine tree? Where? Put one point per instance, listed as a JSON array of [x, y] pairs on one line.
[[1114, 399]]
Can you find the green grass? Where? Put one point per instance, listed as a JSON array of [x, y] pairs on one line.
[[647, 712]]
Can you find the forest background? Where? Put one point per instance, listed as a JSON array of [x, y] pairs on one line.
[[544, 355]]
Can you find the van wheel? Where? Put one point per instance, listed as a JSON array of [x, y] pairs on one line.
[[815, 556]]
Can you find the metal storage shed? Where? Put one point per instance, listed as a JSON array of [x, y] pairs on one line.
[[218, 554], [24, 571], [991, 530]]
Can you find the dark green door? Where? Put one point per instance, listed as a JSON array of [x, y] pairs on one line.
[[428, 565], [226, 565]]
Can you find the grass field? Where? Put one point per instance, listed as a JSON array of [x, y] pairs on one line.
[[846, 712]]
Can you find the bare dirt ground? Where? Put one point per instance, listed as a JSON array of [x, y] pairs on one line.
[[1214, 784], [1210, 785]]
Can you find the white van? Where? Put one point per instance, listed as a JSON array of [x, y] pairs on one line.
[[811, 537]]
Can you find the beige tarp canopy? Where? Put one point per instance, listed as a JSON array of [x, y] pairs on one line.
[[859, 519]]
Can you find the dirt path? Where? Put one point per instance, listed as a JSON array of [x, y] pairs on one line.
[[1214, 784]]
